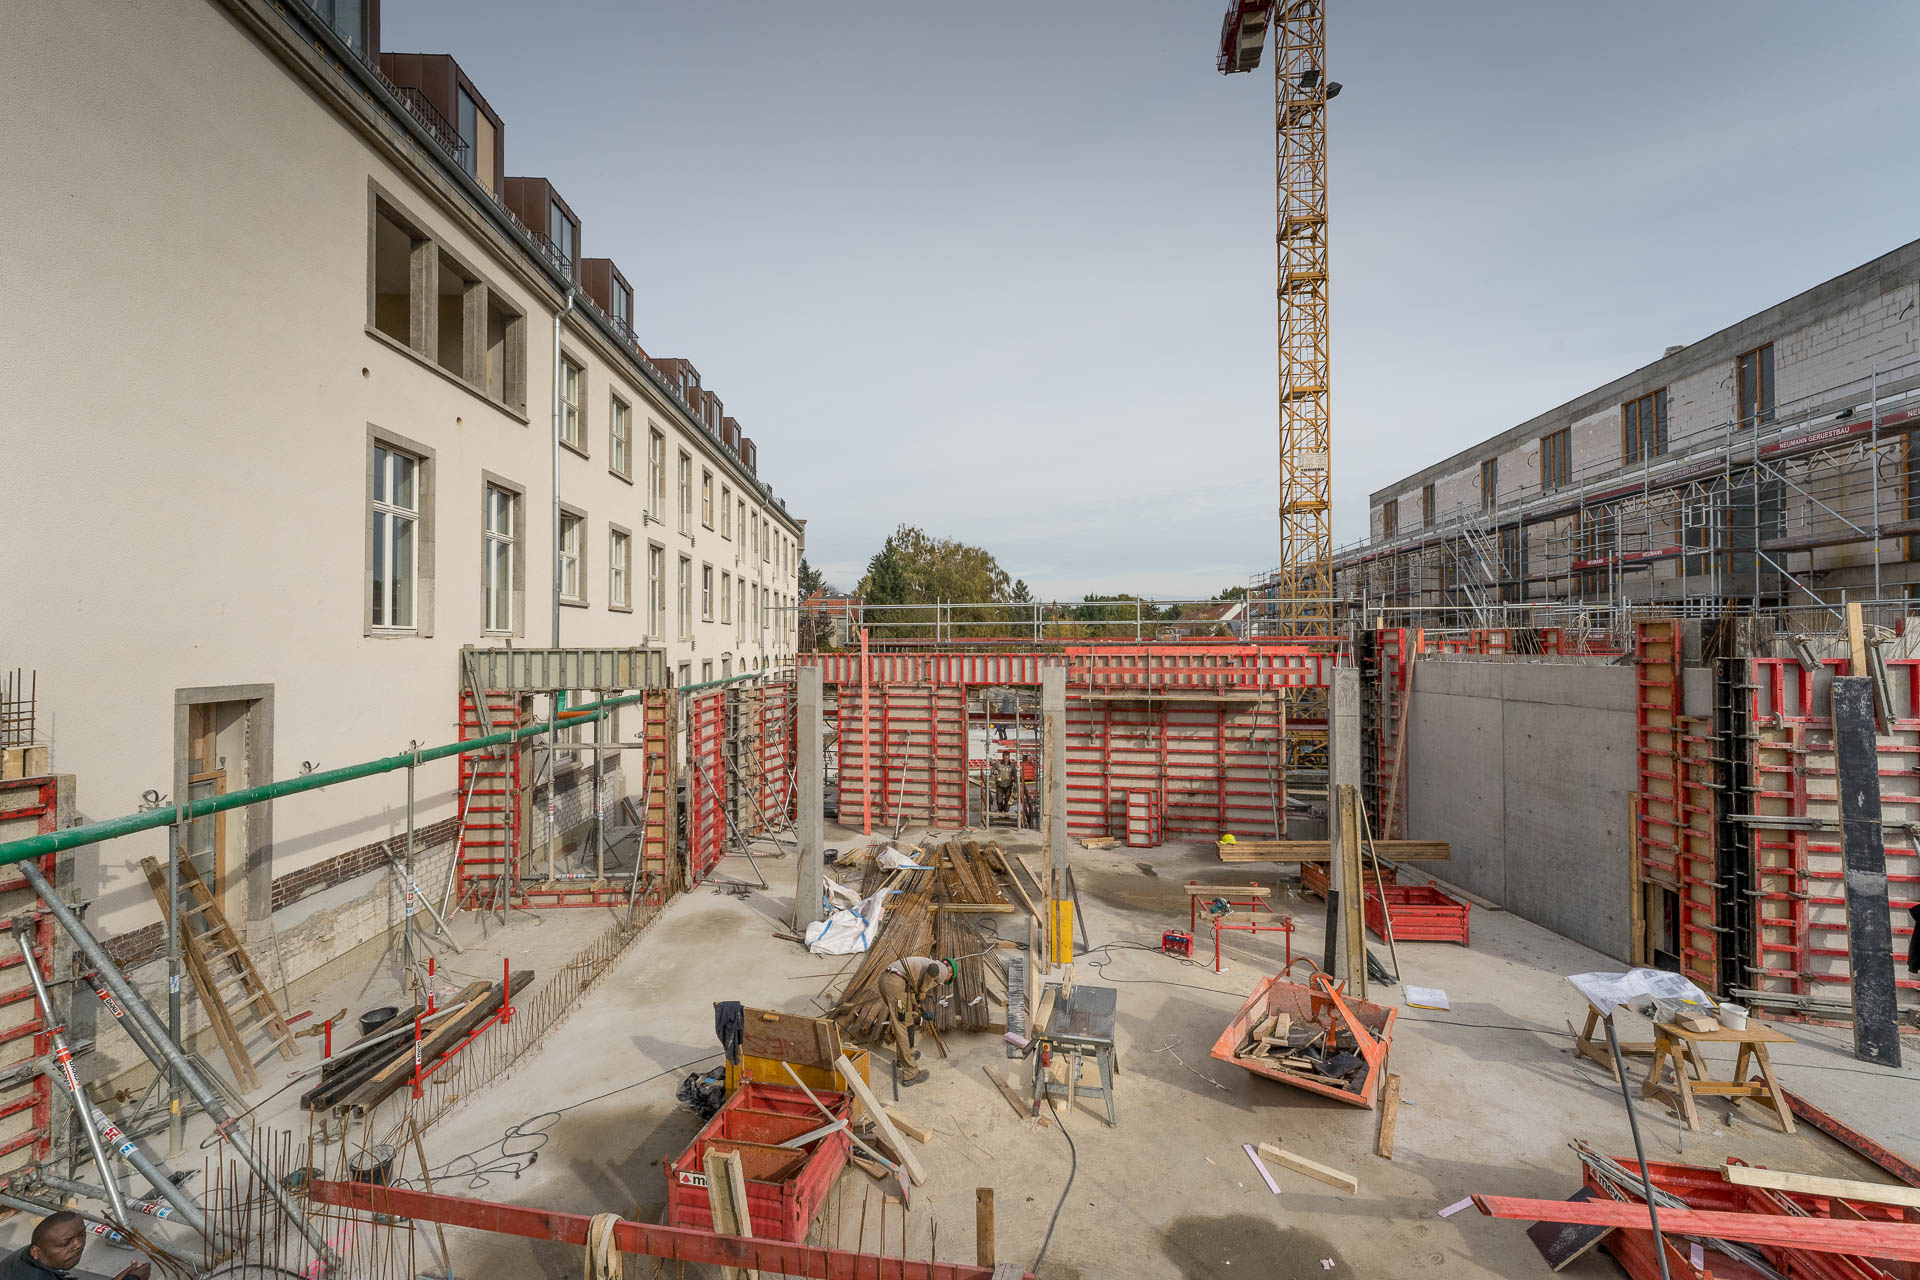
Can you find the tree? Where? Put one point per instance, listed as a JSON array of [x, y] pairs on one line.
[[811, 579], [1020, 594], [1232, 593], [913, 567]]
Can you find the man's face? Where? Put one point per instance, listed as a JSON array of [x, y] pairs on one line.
[[61, 1249]]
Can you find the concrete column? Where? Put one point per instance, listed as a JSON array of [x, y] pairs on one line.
[[810, 823], [1343, 769], [1053, 748]]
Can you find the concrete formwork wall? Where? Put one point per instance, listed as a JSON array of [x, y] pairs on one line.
[[1527, 768]]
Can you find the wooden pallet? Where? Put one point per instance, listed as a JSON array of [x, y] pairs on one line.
[[208, 942], [1316, 850]]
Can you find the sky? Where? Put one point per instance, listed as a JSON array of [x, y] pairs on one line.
[[1004, 271]]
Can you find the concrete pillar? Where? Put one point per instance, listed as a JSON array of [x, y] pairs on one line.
[[1343, 769], [1053, 748], [810, 824]]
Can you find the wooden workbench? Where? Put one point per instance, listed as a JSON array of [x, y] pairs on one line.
[[1676, 1046]]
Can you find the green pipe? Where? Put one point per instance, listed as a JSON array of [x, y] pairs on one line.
[[113, 828]]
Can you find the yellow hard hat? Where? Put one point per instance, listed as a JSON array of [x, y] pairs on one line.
[[1227, 839]]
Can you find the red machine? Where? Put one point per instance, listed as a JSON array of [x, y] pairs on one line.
[[1175, 943]]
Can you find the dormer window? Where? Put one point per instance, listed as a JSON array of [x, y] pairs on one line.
[[622, 305], [560, 231]]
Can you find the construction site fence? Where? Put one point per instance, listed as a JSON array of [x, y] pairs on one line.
[[1137, 618]]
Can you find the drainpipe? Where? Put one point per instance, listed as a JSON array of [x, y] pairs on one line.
[[558, 321]]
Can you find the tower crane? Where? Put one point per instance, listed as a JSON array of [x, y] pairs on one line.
[[1303, 587]]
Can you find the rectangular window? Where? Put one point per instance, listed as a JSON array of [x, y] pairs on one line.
[[573, 381], [468, 126], [726, 512], [506, 354], [726, 598], [740, 615], [686, 674], [1755, 371], [620, 439], [706, 498], [560, 232], [706, 593], [570, 566], [619, 572], [657, 476], [685, 600], [396, 539], [1555, 460], [1390, 517], [1643, 427], [1489, 483], [1426, 505], [740, 547], [656, 591], [686, 494], [623, 307], [706, 672], [395, 250], [499, 552]]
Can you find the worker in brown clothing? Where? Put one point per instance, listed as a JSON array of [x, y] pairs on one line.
[[904, 986]]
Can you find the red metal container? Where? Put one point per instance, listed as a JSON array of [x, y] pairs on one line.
[[1313, 877], [785, 1185], [1420, 912], [1369, 1027]]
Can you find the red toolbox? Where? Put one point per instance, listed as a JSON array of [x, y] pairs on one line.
[[1420, 913], [785, 1185]]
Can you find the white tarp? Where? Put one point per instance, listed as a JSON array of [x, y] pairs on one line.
[[891, 859], [1608, 991], [849, 930]]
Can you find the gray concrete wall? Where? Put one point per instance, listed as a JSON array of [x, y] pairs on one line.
[[1526, 769]]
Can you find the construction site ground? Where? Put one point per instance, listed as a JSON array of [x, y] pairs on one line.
[[1491, 1095]]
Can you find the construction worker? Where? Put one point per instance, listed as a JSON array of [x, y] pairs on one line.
[[58, 1240], [905, 986]]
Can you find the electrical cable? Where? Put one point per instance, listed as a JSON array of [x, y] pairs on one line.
[[1072, 1169]]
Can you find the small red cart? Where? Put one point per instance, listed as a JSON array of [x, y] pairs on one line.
[[785, 1185]]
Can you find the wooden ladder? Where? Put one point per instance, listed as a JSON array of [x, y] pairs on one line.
[[208, 941]]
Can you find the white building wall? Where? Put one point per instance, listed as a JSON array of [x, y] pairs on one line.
[[190, 383]]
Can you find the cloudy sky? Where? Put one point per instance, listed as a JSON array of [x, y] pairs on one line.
[[1004, 270]]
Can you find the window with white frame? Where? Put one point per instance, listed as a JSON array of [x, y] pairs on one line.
[[726, 512], [706, 671], [726, 598], [706, 593], [619, 570], [706, 498], [499, 556], [657, 476], [685, 599], [396, 539], [656, 591], [740, 547], [573, 386], [620, 438], [686, 494], [571, 577], [740, 614]]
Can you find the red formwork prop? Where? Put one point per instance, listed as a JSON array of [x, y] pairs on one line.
[[28, 806], [785, 1186], [1418, 913], [706, 781], [1143, 819], [683, 1244], [1801, 935]]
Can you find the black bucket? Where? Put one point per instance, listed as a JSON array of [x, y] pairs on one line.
[[373, 1165], [374, 1019]]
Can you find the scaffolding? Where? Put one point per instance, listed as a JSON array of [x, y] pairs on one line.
[[1794, 510]]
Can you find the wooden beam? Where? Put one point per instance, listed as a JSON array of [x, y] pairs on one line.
[[1899, 1241], [727, 1199], [1312, 1168], [1316, 851], [1807, 1184], [983, 1226], [879, 1114], [1389, 1113]]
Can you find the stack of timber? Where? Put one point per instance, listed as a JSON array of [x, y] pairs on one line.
[[1316, 850], [934, 912], [365, 1073]]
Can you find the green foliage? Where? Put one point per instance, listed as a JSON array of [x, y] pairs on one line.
[[1020, 594], [916, 568], [811, 579]]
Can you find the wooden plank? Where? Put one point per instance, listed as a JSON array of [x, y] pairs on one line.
[[983, 1226], [879, 1114], [790, 1037], [1316, 851], [1311, 1168], [1807, 1184], [727, 1198], [1008, 1092], [918, 1132], [1389, 1113], [1900, 1241]]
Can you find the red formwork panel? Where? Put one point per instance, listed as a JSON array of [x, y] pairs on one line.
[[785, 1185], [903, 754], [1105, 668], [1418, 913], [28, 807], [706, 781], [1395, 648], [1674, 801], [489, 833], [1215, 767], [776, 712], [1801, 939]]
